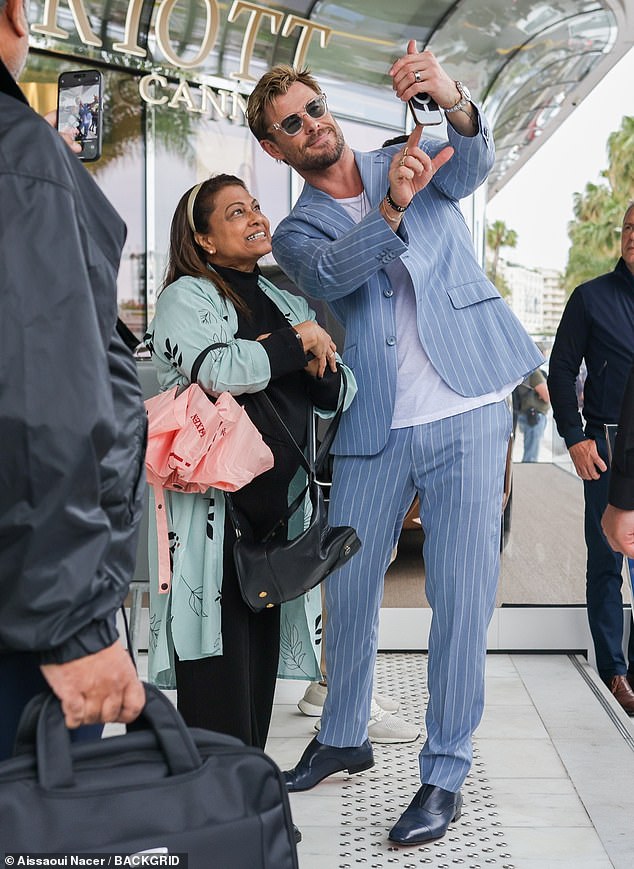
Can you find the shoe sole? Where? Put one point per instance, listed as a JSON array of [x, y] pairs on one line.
[[392, 740], [310, 709]]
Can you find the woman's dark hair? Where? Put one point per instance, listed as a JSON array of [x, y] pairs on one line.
[[186, 256]]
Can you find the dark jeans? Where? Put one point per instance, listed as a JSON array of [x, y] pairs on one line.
[[604, 579], [21, 679]]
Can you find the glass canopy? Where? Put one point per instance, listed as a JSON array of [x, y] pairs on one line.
[[528, 62]]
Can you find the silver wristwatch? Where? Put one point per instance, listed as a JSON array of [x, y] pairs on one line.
[[465, 98]]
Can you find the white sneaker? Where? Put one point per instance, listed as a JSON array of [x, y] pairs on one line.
[[386, 728], [312, 702], [387, 704]]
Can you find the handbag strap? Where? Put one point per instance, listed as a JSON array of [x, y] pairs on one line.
[[315, 462], [324, 447], [312, 465], [198, 361]]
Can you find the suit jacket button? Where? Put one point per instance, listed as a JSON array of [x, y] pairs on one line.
[[388, 293], [391, 341]]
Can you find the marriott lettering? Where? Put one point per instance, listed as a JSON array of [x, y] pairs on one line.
[[252, 15]]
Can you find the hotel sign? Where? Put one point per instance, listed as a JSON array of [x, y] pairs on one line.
[[254, 16]]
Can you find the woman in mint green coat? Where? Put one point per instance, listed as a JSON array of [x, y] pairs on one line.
[[222, 658]]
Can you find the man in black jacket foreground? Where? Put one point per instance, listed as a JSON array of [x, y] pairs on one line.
[[72, 425], [598, 325], [618, 519]]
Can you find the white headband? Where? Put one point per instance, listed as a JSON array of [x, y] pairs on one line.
[[190, 205]]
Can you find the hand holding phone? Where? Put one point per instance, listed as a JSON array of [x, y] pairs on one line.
[[80, 110]]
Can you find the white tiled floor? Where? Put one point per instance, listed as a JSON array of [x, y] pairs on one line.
[[552, 783]]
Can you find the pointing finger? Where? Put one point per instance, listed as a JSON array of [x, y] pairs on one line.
[[442, 157], [415, 136]]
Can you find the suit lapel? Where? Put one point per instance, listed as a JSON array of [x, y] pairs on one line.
[[321, 210], [371, 167]]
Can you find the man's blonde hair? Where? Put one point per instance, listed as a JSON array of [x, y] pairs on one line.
[[274, 83]]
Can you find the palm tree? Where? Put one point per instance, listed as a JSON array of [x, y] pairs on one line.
[[598, 212], [498, 236], [620, 172]]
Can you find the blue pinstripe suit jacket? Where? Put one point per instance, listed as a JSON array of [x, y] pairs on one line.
[[471, 336]]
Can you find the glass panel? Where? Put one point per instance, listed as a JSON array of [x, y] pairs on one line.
[[119, 172], [186, 149]]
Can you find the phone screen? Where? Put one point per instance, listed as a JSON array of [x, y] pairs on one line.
[[79, 110]]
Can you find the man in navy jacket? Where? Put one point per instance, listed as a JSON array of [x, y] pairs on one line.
[[598, 325]]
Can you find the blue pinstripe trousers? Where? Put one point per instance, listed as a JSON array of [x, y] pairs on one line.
[[457, 467]]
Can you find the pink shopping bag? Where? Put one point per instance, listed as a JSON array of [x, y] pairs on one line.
[[195, 444]]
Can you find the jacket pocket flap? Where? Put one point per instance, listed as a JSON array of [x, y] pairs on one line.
[[463, 295]]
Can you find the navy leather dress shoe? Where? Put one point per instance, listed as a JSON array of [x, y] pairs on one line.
[[427, 816], [319, 761]]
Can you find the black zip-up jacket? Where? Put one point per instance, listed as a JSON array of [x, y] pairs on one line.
[[622, 471], [597, 325], [72, 424]]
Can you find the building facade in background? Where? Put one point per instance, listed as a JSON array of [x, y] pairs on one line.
[[536, 296]]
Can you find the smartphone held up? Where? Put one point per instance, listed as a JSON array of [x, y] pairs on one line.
[[80, 110], [425, 110]]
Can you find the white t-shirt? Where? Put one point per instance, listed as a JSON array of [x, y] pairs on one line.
[[421, 393]]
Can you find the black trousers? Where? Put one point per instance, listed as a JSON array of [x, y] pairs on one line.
[[233, 692]]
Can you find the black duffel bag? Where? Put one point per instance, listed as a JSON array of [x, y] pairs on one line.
[[165, 788]]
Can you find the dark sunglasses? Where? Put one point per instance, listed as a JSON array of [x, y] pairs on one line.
[[292, 124]]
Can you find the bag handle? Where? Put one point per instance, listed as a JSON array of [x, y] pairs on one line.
[[198, 361], [42, 723], [315, 465], [312, 465], [315, 462]]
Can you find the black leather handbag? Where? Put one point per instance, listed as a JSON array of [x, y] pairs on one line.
[[273, 571]]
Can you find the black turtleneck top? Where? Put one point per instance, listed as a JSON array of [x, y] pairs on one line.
[[290, 389]]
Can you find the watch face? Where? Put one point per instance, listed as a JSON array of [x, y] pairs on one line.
[[464, 90]]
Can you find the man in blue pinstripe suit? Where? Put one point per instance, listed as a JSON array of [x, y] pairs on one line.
[[435, 350]]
